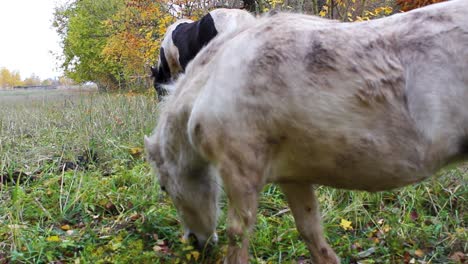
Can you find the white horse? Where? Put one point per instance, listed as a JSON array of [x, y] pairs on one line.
[[364, 106]]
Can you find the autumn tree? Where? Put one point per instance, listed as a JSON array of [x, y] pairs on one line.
[[407, 5], [9, 79], [81, 26], [32, 80], [135, 33]]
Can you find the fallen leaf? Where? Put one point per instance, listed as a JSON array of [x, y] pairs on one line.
[[414, 215], [53, 239], [157, 248], [65, 227], [458, 257], [187, 248], [346, 225], [195, 255], [135, 217], [356, 246], [366, 253], [386, 228], [419, 253], [460, 230], [110, 206], [406, 257], [136, 151]]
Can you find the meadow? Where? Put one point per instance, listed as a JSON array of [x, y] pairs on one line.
[[75, 188]]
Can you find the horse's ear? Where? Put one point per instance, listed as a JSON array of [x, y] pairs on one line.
[[206, 30]]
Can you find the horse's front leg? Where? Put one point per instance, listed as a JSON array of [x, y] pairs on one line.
[[242, 188], [305, 209]]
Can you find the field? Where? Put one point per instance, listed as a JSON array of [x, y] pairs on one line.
[[75, 188]]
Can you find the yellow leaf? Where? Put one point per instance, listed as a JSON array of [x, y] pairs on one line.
[[187, 248], [136, 151], [386, 228], [388, 10], [65, 227], [346, 225], [157, 248], [460, 230], [419, 253], [53, 239], [188, 256], [195, 255]]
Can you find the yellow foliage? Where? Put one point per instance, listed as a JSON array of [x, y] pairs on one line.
[[135, 34], [352, 10], [346, 225], [53, 239]]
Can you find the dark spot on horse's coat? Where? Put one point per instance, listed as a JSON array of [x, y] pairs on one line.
[[439, 18], [272, 141], [324, 252], [275, 140], [273, 12], [308, 209], [320, 58], [370, 46], [345, 160], [209, 53], [362, 98], [342, 140], [416, 15], [419, 45], [190, 38], [353, 69], [360, 55]]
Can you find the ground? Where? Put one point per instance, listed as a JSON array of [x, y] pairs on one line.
[[75, 188]]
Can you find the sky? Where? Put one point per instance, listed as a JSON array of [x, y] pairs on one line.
[[27, 37]]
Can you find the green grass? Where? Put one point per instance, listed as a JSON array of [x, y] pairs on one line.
[[75, 188]]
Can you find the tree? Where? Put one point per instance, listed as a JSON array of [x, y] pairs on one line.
[[81, 26], [357, 10], [9, 79], [407, 5], [32, 80], [135, 34]]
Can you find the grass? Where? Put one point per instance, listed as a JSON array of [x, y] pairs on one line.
[[75, 189]]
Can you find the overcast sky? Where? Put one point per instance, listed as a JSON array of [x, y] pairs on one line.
[[27, 37]]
